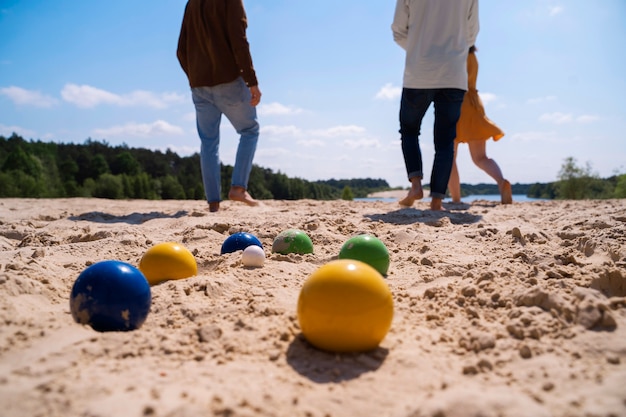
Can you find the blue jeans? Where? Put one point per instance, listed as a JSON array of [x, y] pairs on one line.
[[413, 106], [233, 100]]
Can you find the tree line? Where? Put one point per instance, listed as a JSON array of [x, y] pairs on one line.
[[579, 182], [575, 182], [95, 169]]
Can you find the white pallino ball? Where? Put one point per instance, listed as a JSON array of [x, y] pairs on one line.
[[253, 256]]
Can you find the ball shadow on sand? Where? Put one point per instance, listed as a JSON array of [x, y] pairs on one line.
[[133, 218], [327, 367], [411, 215]]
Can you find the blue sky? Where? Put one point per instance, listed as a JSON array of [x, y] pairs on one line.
[[551, 76]]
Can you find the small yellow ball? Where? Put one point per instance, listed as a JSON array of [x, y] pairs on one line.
[[345, 306], [165, 261]]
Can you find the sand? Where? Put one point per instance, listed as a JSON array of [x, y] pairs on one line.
[[515, 310]]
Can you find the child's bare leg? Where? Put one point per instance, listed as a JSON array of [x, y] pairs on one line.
[[506, 193], [479, 156], [454, 183]]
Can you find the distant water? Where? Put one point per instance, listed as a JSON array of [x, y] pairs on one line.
[[517, 198]]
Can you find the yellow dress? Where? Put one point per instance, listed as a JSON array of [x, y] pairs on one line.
[[473, 123]]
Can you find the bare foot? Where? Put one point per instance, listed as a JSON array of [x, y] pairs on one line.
[[435, 204], [240, 194], [415, 193], [214, 206], [506, 193]]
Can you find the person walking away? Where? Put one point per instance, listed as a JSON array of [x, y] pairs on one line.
[[436, 35], [214, 53], [475, 128]]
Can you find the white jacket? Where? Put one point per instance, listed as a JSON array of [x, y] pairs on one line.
[[436, 35]]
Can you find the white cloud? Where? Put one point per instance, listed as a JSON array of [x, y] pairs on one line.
[[25, 97], [556, 117], [562, 118], [179, 150], [277, 109], [587, 118], [272, 152], [534, 136], [537, 100], [294, 131], [150, 99], [158, 128], [7, 131], [318, 138], [388, 92], [543, 10], [555, 10], [335, 131], [361, 143], [487, 98], [311, 143], [275, 130], [86, 96]]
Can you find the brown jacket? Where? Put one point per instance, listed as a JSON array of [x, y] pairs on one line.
[[212, 47]]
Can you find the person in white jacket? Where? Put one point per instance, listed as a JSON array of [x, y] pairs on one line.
[[436, 35]]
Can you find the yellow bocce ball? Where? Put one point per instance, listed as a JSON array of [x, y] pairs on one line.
[[345, 306], [165, 261]]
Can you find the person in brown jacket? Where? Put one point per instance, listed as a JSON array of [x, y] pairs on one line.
[[213, 51]]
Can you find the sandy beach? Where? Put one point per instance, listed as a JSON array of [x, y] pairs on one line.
[[508, 311], [397, 194]]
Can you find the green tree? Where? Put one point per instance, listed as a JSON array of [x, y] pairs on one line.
[[71, 188], [50, 178], [19, 160], [346, 194], [198, 192], [68, 169], [279, 186], [88, 188], [547, 191], [127, 186], [297, 189], [144, 187], [576, 182], [189, 176], [257, 185], [20, 184], [171, 189], [8, 187], [109, 186], [99, 166], [620, 188], [573, 180], [125, 163]]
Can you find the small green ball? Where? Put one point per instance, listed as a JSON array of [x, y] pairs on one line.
[[368, 249], [292, 241]]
